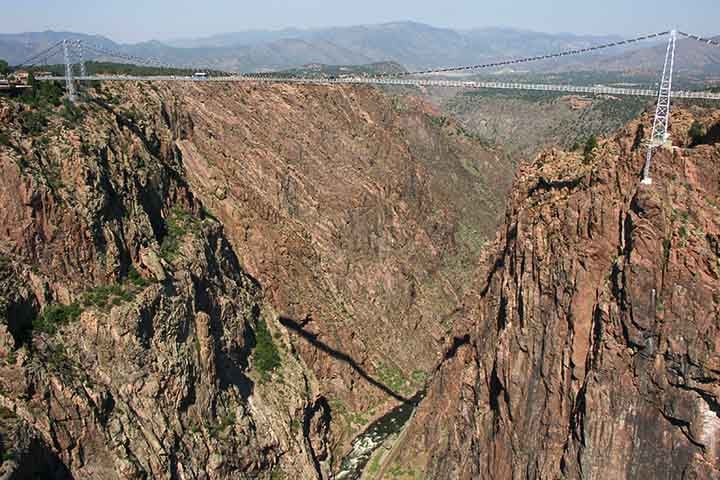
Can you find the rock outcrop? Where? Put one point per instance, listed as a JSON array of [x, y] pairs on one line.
[[592, 337]]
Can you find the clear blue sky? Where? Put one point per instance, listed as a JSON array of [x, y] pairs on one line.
[[137, 20]]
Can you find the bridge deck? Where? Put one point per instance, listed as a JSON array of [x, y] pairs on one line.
[[595, 90]]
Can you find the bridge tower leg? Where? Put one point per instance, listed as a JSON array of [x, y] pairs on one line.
[[81, 58], [660, 136], [69, 81]]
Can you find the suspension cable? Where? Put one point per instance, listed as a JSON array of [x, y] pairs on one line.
[[708, 41], [579, 51], [44, 53], [148, 62], [536, 58], [132, 58]]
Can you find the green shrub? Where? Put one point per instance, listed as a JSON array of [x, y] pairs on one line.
[[104, 295], [392, 377], [97, 297], [179, 223], [33, 122], [54, 316], [4, 139], [667, 245], [265, 356], [697, 132], [439, 121], [135, 278], [71, 113], [215, 429], [43, 95], [277, 474], [419, 377], [590, 145]]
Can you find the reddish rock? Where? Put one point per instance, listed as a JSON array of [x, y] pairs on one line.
[[346, 220], [593, 350]]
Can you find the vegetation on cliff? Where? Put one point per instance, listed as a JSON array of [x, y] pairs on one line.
[[265, 355]]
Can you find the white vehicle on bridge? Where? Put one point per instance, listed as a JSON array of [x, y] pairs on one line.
[[199, 76]]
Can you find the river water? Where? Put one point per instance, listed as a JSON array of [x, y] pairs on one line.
[[352, 466]]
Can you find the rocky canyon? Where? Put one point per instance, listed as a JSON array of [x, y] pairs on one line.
[[225, 281]]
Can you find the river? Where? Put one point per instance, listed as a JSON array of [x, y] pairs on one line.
[[364, 445]]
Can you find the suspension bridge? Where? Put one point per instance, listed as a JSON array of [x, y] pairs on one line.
[[73, 53]]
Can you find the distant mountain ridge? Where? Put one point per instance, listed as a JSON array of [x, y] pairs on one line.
[[237, 39], [411, 44]]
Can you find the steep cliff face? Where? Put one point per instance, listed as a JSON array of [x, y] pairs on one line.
[[200, 281], [128, 323], [360, 216], [592, 348]]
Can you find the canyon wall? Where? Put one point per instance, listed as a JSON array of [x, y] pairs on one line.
[[224, 281], [591, 349]]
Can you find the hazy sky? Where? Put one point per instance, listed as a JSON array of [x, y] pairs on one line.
[[137, 20]]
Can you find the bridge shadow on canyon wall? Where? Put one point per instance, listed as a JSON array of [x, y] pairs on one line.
[[312, 338]]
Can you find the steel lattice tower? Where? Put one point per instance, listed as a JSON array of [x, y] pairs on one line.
[[659, 136], [69, 81], [81, 58]]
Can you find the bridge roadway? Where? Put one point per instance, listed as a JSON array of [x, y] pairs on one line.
[[595, 90]]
